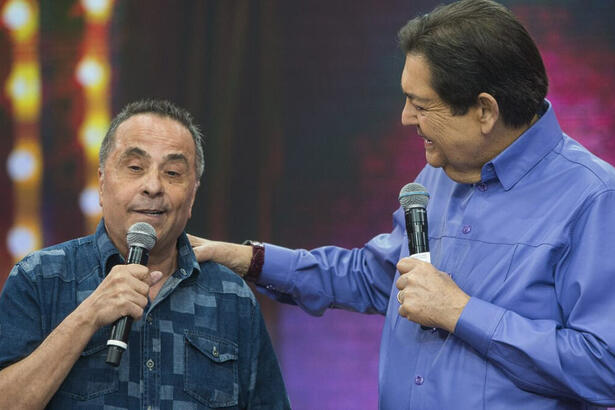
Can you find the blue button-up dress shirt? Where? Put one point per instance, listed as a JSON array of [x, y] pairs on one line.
[[201, 343], [532, 243]]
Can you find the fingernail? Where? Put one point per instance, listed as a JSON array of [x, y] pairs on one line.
[[155, 276]]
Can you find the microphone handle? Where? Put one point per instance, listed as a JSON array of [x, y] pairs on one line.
[[118, 341], [416, 226], [418, 237]]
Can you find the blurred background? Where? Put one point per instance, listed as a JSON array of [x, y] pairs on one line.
[[300, 103]]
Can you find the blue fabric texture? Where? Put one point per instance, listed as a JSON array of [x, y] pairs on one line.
[[201, 343], [531, 243]]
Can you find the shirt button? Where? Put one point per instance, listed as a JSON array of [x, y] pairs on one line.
[[482, 187], [149, 319], [467, 229], [418, 380], [150, 364]]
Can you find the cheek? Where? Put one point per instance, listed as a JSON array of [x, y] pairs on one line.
[[432, 129], [183, 197]]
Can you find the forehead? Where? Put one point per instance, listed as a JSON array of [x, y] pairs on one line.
[[152, 132], [416, 77]]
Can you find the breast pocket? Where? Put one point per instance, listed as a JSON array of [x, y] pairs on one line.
[[211, 374], [91, 377]]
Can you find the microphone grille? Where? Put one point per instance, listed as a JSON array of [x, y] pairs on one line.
[[142, 235], [413, 194]]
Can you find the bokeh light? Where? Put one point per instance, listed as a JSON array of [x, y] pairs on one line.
[[23, 86], [90, 73], [88, 202], [16, 14], [21, 165], [21, 241], [19, 17], [98, 10]]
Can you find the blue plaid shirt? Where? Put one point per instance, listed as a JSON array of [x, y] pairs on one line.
[[201, 343]]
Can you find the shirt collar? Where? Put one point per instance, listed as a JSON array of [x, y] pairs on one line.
[[526, 151], [110, 256]]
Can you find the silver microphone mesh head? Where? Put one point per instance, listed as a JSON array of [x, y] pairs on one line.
[[142, 235], [412, 195]]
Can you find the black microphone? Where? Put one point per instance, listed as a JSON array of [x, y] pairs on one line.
[[413, 198], [141, 238]]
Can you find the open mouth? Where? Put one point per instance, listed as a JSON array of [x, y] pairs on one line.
[[427, 140]]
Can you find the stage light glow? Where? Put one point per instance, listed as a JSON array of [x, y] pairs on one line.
[[98, 10], [21, 165], [90, 73], [16, 14], [88, 201], [21, 240], [20, 18], [23, 86], [92, 133]]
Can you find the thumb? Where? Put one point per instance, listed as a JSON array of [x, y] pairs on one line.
[[154, 277], [202, 248]]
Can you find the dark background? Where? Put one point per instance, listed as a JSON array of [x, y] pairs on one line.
[[300, 103]]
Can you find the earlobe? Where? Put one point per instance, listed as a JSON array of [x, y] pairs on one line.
[[489, 112]]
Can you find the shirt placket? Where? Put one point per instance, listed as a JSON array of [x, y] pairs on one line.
[[151, 362]]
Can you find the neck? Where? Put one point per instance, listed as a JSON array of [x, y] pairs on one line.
[[163, 261], [161, 258], [498, 140]]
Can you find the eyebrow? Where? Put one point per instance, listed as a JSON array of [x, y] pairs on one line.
[[134, 152], [176, 157], [416, 98], [138, 152]]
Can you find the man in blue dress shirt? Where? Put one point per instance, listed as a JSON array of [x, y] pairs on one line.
[[519, 291], [201, 343]]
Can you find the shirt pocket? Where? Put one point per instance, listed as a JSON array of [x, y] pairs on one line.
[[211, 374], [91, 376]]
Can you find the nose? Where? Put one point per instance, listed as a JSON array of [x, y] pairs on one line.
[[408, 114], [152, 184]]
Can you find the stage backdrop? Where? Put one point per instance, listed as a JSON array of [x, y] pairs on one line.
[[300, 103]]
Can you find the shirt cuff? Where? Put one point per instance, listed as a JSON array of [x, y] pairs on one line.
[[279, 263], [478, 322]]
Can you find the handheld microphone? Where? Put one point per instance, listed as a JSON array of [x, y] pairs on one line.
[[141, 238], [413, 198]]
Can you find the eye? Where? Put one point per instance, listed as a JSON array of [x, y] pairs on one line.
[[418, 107], [135, 168], [173, 174]]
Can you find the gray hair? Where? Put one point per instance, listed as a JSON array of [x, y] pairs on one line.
[[161, 108]]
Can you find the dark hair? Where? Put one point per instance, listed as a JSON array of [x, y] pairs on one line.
[[161, 108], [475, 46]]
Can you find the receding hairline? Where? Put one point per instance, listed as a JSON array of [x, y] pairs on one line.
[[113, 135]]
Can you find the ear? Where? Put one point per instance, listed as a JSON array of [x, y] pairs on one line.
[[489, 112], [196, 186], [101, 181]]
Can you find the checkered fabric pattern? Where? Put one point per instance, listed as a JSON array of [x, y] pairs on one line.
[[201, 343]]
